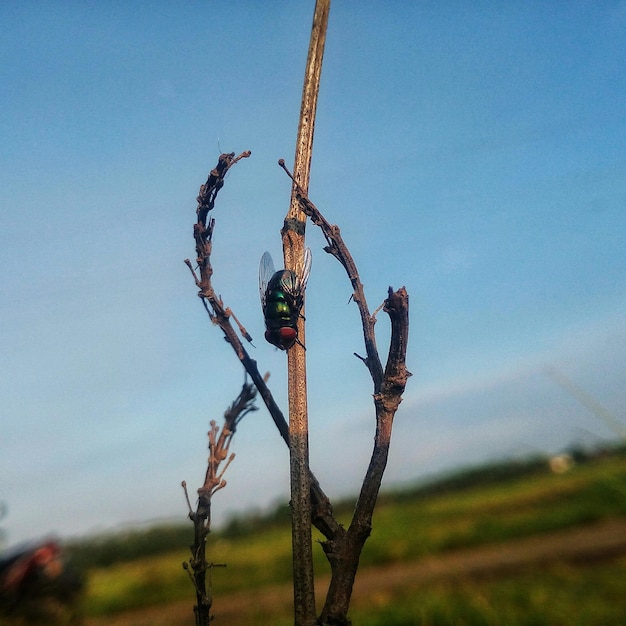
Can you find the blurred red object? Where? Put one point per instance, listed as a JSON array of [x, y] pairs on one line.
[[34, 574]]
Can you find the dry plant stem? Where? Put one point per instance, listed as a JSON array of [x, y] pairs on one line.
[[220, 315], [344, 549], [339, 250], [344, 554], [293, 250], [219, 444]]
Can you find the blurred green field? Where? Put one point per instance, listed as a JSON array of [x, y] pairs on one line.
[[407, 527], [555, 596]]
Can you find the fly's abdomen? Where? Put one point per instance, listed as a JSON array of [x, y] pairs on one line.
[[276, 307]]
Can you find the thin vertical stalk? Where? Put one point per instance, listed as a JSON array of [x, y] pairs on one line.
[[293, 250]]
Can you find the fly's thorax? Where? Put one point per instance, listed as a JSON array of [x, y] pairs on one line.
[[285, 281]]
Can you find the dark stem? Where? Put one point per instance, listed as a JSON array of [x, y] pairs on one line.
[[342, 547], [219, 445], [343, 551]]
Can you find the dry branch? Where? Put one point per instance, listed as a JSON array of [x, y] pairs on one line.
[[342, 546], [339, 250], [219, 445], [344, 549], [322, 514]]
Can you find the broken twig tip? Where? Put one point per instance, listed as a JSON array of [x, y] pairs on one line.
[[281, 162]]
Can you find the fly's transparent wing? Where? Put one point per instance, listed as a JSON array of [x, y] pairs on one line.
[[304, 272], [266, 271]]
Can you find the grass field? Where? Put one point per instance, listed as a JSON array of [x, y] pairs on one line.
[[408, 528], [554, 596]]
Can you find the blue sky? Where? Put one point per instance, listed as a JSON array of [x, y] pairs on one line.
[[472, 152]]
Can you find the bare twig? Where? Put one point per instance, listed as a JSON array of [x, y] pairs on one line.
[[322, 513], [339, 250], [219, 441], [344, 549], [219, 445]]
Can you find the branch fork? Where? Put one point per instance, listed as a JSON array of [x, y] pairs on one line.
[[342, 546]]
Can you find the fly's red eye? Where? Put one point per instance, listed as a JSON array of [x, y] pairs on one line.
[[282, 338], [287, 334]]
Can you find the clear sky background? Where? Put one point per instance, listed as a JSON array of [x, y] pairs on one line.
[[473, 152]]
